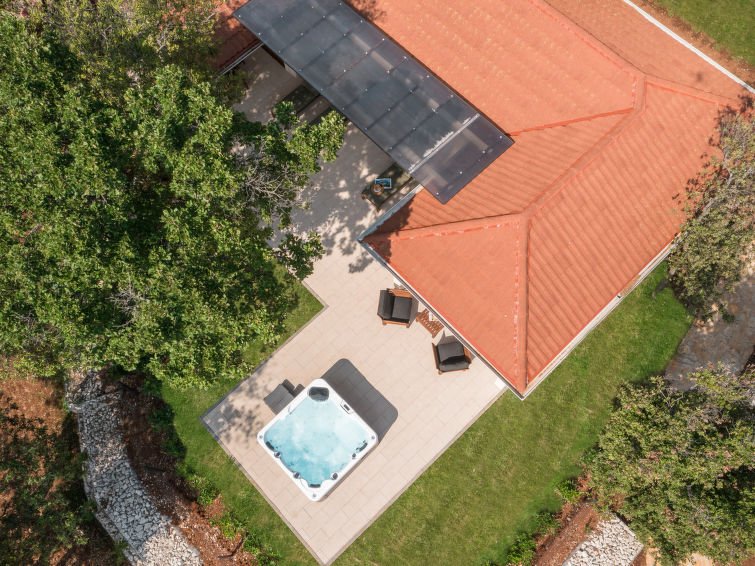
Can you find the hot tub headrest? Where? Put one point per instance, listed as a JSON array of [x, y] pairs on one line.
[[319, 393]]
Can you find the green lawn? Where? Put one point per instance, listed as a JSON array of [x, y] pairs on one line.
[[730, 23], [491, 483], [207, 458]]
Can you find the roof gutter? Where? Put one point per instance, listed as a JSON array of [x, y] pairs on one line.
[[406, 198], [613, 303], [240, 59], [689, 46]]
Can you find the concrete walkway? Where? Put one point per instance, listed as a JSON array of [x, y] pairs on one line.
[[386, 373], [719, 341]]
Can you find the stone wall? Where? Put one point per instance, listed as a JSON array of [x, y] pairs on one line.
[[124, 508]]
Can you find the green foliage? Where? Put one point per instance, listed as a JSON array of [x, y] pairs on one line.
[[683, 463], [43, 508], [717, 238], [567, 490], [228, 524], [119, 557], [204, 488], [120, 44], [231, 526], [521, 552], [136, 217], [546, 523]]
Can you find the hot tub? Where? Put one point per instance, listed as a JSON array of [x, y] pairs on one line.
[[317, 439]]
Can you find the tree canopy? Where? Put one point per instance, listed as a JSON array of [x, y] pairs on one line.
[[137, 207], [718, 236], [682, 465]]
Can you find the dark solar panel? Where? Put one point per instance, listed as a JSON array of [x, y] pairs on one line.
[[429, 130]]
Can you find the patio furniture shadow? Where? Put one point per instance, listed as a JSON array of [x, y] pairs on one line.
[[361, 396]]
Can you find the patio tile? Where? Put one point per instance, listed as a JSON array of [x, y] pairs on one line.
[[426, 411]]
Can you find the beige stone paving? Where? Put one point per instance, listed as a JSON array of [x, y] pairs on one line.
[[386, 373]]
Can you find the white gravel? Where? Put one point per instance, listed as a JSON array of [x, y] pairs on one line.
[[612, 543], [124, 508]]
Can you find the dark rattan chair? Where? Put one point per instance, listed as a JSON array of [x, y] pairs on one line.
[[395, 308], [451, 356]]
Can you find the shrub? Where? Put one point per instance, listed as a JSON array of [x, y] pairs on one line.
[[522, 551], [567, 490], [546, 523]]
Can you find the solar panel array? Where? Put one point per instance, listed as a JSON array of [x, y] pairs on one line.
[[428, 129]]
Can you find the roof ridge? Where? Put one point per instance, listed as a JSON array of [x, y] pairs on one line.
[[572, 121], [584, 160], [684, 90], [446, 228]]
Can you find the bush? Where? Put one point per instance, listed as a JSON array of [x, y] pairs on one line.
[[567, 490], [228, 524], [522, 551], [546, 523]]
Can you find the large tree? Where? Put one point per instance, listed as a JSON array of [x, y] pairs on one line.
[[135, 223], [682, 465], [717, 239]]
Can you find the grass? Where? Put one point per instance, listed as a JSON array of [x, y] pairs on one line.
[[730, 23], [208, 459], [491, 484]]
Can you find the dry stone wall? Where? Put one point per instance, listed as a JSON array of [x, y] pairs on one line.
[[124, 508], [612, 543]]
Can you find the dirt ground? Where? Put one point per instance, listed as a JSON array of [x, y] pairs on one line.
[[577, 521], [172, 496], [43, 400]]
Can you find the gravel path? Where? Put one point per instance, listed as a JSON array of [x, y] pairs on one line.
[[611, 543], [124, 508]]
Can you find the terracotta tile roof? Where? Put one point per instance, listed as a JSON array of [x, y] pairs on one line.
[[233, 38], [610, 118]]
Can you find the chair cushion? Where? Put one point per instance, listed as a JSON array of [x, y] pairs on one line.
[[385, 307], [454, 364], [450, 350], [402, 308], [278, 398]]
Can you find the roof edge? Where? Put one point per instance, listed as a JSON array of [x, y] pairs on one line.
[[630, 286], [689, 46]]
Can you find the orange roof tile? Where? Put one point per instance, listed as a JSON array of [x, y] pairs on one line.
[[610, 118], [233, 38]]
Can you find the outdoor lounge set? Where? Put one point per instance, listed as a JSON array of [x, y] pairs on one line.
[[451, 356], [396, 307]]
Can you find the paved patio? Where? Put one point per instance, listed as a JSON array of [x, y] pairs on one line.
[[387, 373]]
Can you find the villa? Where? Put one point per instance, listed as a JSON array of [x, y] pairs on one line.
[[534, 160]]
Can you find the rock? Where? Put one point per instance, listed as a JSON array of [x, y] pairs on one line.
[[612, 543], [125, 509]]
